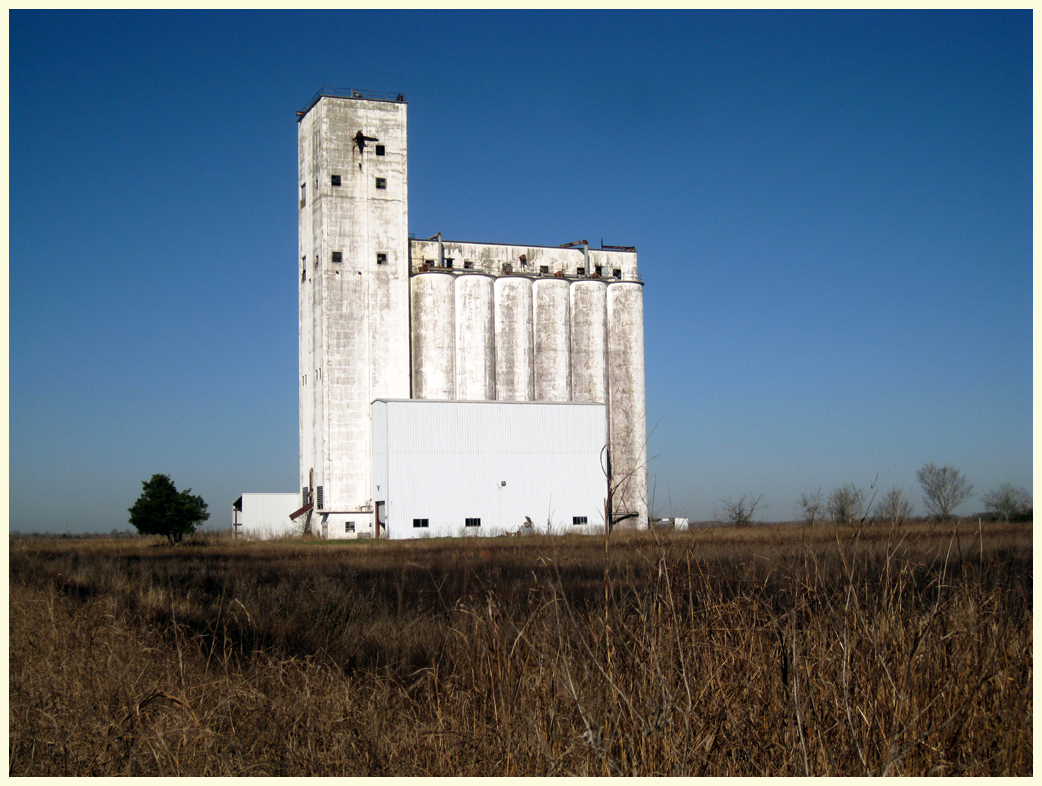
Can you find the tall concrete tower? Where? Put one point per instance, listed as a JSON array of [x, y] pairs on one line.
[[353, 280]]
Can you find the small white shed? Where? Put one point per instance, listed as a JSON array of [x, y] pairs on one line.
[[457, 468], [265, 515]]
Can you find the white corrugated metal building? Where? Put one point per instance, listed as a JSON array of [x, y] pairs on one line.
[[455, 468], [265, 515]]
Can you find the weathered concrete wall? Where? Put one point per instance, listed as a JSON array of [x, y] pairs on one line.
[[513, 315], [589, 310], [354, 307], [551, 325], [433, 336], [626, 401], [475, 338]]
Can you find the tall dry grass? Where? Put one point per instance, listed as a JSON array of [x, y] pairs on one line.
[[788, 651]]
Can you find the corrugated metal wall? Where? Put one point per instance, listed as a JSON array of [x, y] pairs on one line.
[[500, 462], [267, 515]]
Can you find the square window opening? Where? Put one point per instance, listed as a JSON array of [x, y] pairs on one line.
[[448, 262], [468, 264], [420, 523], [349, 526], [580, 271], [544, 270], [381, 182], [338, 256], [335, 180], [381, 259], [598, 270], [617, 273], [380, 150]]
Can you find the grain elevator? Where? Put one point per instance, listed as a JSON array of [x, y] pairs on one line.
[[447, 387]]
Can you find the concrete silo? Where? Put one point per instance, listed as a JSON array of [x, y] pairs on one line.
[[513, 317], [433, 336], [475, 338], [589, 318], [626, 402], [551, 329]]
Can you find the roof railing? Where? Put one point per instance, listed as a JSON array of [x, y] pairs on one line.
[[350, 92]]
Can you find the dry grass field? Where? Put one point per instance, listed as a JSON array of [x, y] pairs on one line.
[[756, 651]]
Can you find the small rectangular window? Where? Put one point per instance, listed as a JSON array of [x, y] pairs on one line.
[[617, 273], [318, 497], [508, 268], [303, 194], [379, 150], [303, 495], [420, 523], [468, 264], [544, 269], [580, 271], [349, 526], [335, 179], [303, 268], [448, 262], [578, 519], [473, 523], [381, 182], [381, 259], [338, 256], [598, 270]]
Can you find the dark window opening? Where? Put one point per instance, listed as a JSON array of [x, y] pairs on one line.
[[473, 523], [448, 262], [418, 523], [617, 273], [508, 268], [544, 269], [468, 264], [379, 150], [381, 259], [578, 519], [318, 497], [598, 271], [338, 256], [303, 495], [303, 194], [303, 269], [335, 180], [381, 182], [349, 526], [580, 271]]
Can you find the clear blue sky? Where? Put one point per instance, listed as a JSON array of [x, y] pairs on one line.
[[833, 215]]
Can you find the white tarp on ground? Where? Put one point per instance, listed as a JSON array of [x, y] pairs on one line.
[[265, 515], [443, 465]]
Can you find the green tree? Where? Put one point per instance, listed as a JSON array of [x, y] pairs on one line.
[[163, 510]]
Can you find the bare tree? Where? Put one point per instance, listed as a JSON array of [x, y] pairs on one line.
[[895, 507], [944, 489], [1008, 502], [740, 512], [845, 504], [813, 507]]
